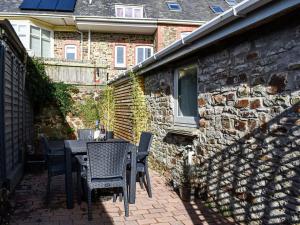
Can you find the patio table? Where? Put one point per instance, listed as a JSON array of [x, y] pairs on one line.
[[78, 147]]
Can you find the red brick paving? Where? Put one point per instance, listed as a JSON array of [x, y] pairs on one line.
[[165, 208]]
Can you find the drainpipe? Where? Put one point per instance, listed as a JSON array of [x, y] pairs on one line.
[[89, 46], [81, 44]]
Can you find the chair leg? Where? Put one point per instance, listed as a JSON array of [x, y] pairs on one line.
[[148, 182], [120, 196], [48, 189], [141, 176], [89, 204], [126, 206], [79, 187], [114, 197]]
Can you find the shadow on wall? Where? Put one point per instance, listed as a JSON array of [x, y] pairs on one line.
[[51, 103], [258, 177]]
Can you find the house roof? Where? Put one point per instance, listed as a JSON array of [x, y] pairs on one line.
[[198, 10], [239, 19]]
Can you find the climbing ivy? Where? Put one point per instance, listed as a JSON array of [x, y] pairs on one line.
[[107, 108], [43, 91], [139, 108], [89, 111]]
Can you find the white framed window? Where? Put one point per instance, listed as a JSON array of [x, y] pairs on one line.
[[142, 53], [120, 56], [40, 42], [125, 11], [185, 96], [184, 34], [22, 31], [70, 52]]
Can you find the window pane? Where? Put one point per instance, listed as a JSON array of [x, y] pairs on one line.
[[140, 55], [119, 12], [120, 55], [35, 45], [70, 56], [35, 31], [23, 39], [46, 34], [46, 49], [22, 29], [128, 12], [148, 53], [187, 92], [138, 13]]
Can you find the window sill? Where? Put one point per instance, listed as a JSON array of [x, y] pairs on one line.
[[120, 68], [185, 131]]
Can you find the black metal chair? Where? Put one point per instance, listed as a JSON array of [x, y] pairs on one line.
[[142, 161], [86, 134], [109, 135], [55, 159], [106, 168]]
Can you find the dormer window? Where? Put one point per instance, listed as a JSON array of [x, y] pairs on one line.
[[129, 11]]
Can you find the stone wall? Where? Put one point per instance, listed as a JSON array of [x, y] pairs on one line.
[[247, 158], [166, 34], [55, 126], [102, 49]]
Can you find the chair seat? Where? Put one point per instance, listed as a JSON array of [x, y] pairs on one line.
[[58, 169], [140, 167]]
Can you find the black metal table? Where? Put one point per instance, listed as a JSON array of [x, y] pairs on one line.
[[78, 147]]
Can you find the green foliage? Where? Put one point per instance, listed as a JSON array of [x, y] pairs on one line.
[[89, 111], [62, 97], [139, 108], [107, 108], [38, 84], [42, 91]]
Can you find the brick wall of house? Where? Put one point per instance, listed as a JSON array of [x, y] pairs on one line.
[[102, 50], [166, 34], [247, 158]]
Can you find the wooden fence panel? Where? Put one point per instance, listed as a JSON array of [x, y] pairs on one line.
[[76, 72], [16, 117], [123, 115]]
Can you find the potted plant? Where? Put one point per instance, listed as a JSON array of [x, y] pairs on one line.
[[185, 187]]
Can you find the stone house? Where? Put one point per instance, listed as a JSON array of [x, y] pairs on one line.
[[225, 102], [114, 34]]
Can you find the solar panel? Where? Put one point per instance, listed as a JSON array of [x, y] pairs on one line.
[[29, 4], [66, 5], [48, 5]]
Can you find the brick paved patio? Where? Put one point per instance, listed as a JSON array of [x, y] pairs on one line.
[[164, 208]]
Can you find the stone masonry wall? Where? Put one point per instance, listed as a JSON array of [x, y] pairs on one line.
[[51, 122], [102, 50], [166, 34], [247, 154]]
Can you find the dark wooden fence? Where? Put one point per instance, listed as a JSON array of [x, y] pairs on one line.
[[16, 117]]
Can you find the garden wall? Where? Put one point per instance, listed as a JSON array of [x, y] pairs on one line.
[[246, 150]]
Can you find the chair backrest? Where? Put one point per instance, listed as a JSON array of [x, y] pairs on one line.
[[85, 134], [107, 159], [109, 135], [145, 142], [45, 144]]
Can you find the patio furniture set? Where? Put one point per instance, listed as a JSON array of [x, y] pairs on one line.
[[106, 163]]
